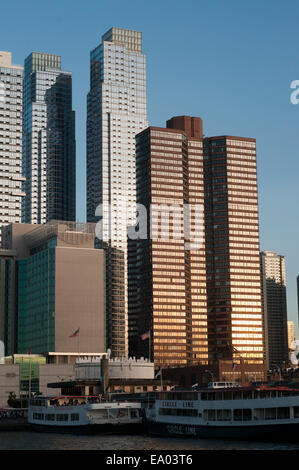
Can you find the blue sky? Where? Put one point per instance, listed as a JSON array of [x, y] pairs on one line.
[[230, 62]]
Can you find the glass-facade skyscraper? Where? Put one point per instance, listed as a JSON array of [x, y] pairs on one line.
[[274, 295], [49, 160], [116, 112], [11, 179]]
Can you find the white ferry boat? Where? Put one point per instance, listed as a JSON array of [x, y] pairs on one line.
[[263, 412], [83, 413]]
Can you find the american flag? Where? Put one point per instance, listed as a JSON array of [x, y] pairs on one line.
[[145, 335], [75, 334]]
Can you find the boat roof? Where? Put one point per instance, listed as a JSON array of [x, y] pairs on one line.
[[54, 397], [238, 389]]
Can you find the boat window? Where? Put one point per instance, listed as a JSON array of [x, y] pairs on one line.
[[223, 415], [50, 417], [283, 413], [62, 417], [259, 413], [242, 414], [75, 417], [296, 411], [177, 412], [211, 415], [270, 413], [133, 413], [228, 396], [38, 416], [247, 395]]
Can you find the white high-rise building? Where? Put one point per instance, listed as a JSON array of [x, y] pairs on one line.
[[116, 112], [11, 101]]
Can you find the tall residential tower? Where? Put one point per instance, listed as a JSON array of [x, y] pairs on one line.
[[235, 323], [273, 271], [170, 274], [201, 302], [11, 179], [49, 160], [116, 112]]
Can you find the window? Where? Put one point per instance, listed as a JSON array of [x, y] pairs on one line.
[[242, 414], [62, 417]]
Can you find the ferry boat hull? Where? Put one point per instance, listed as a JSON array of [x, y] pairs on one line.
[[107, 428], [275, 432]]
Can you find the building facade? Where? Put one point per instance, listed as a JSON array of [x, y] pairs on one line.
[[291, 333], [203, 304], [273, 274], [116, 112], [53, 289], [234, 308], [49, 150], [170, 279], [11, 105]]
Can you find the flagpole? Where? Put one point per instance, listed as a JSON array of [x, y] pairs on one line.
[[78, 343]]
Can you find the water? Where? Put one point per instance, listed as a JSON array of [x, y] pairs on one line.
[[50, 441]]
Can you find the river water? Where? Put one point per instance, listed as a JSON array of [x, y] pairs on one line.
[[28, 440]]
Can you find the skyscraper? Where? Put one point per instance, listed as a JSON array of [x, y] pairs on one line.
[[170, 278], [235, 325], [116, 112], [49, 160], [200, 304], [273, 272], [11, 179]]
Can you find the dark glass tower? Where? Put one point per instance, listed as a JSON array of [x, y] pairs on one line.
[[49, 149]]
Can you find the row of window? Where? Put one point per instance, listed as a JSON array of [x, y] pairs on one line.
[[59, 417]]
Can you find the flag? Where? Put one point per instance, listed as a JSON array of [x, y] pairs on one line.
[[29, 350], [75, 334], [145, 335], [234, 366], [158, 373]]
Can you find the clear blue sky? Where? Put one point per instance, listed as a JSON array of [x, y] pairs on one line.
[[230, 62]]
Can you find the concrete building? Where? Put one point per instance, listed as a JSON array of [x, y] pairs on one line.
[[201, 303], [76, 374], [273, 273], [49, 149], [291, 333], [116, 112], [52, 285], [11, 105]]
